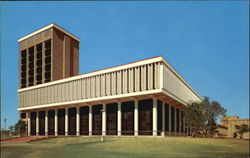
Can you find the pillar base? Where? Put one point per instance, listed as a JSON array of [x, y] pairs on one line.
[[119, 133], [136, 133], [104, 133], [163, 134], [154, 133]]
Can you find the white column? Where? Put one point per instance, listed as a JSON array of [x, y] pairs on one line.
[[163, 119], [103, 119], [175, 120], [28, 122], [136, 128], [90, 120], [119, 119], [37, 123], [56, 122], [169, 119], [66, 121], [46, 122], [77, 121], [154, 117]]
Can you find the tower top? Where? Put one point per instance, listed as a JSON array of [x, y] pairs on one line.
[[47, 27]]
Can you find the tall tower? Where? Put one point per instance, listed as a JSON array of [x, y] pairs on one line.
[[48, 54]]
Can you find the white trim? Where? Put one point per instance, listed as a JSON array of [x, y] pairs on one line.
[[92, 99], [47, 27]]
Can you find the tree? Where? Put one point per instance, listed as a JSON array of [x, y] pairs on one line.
[[194, 115], [11, 129], [212, 111], [20, 127], [203, 115], [241, 129]]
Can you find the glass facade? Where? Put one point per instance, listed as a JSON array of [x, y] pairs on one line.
[[166, 117], [51, 122], [84, 120], [127, 118], [145, 117], [42, 123], [172, 119], [33, 123], [97, 119], [72, 121], [61, 122], [111, 118]]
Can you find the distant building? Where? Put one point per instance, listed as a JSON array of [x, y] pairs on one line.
[[145, 97], [227, 125]]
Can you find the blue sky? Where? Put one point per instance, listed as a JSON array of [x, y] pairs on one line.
[[206, 42]]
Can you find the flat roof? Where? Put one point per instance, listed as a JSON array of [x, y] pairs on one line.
[[47, 27]]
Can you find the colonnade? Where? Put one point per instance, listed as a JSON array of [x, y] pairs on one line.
[[180, 121]]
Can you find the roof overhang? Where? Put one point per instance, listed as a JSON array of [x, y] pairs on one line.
[[46, 28]]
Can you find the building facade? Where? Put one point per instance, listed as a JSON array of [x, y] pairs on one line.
[[230, 122], [145, 97]]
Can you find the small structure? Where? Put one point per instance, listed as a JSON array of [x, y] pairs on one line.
[[228, 123]]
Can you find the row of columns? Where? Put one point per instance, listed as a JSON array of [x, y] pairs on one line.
[[119, 120]]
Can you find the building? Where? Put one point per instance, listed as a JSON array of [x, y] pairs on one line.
[[230, 122], [145, 97]]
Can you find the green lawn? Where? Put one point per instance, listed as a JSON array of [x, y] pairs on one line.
[[126, 147]]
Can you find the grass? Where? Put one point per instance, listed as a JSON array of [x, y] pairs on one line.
[[126, 147]]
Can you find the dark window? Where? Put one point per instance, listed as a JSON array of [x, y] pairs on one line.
[[72, 121], [177, 120], [166, 117], [23, 115], [172, 119], [33, 123], [51, 122], [111, 118], [145, 117], [97, 120], [84, 120], [128, 118], [61, 122], [159, 117], [42, 123]]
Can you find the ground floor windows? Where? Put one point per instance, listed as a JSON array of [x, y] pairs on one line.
[[127, 109], [182, 122], [145, 117], [177, 120], [111, 119], [33, 123], [97, 119], [84, 120], [51, 122], [72, 121], [159, 117], [42, 123], [167, 117], [172, 119], [61, 122]]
